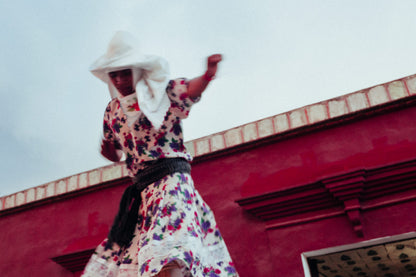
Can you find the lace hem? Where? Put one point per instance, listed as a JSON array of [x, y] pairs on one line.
[[98, 267], [207, 254]]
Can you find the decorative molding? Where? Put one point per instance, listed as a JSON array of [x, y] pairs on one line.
[[360, 104], [347, 194], [348, 188], [75, 261]]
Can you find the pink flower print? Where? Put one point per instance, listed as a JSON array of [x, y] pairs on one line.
[[128, 141], [145, 267], [158, 201], [141, 147], [192, 232], [161, 139], [211, 272], [183, 96], [144, 124], [134, 107], [149, 194]]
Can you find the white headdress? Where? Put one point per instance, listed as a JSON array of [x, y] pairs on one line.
[[150, 77]]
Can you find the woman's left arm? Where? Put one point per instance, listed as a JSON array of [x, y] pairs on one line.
[[197, 85]]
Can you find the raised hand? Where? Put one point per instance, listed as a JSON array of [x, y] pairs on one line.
[[212, 65]]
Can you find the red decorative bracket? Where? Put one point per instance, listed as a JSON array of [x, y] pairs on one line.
[[348, 188], [351, 194]]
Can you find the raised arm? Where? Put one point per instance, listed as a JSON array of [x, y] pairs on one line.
[[199, 84]]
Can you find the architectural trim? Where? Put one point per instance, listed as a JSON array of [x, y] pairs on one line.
[[334, 109], [391, 95], [348, 194], [75, 261]]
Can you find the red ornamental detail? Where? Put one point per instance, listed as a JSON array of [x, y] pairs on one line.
[[349, 195]]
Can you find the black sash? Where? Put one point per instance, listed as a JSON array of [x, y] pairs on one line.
[[128, 214]]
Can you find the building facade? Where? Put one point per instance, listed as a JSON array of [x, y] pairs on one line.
[[324, 190]]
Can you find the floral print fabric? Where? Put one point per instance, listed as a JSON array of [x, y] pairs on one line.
[[174, 224], [141, 142]]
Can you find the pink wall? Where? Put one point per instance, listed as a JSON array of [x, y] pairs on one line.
[[367, 143], [79, 221]]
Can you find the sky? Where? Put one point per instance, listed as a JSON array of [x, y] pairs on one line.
[[278, 55]]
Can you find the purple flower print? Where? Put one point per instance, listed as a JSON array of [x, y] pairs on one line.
[[129, 160], [204, 209], [177, 223], [145, 267], [192, 232], [128, 141], [183, 178], [157, 237], [141, 147], [230, 270], [205, 225], [173, 192], [143, 124], [187, 195], [106, 127], [188, 257], [161, 139], [166, 119], [171, 85], [176, 128], [147, 223], [175, 145], [127, 260], [154, 154], [145, 242], [171, 208], [116, 125]]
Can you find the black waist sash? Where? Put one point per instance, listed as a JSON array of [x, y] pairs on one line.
[[128, 214]]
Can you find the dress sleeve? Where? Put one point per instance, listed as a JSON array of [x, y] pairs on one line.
[[108, 125], [177, 91]]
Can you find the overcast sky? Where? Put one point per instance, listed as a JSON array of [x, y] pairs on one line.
[[278, 56]]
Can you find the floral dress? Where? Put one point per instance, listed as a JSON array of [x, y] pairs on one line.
[[175, 224]]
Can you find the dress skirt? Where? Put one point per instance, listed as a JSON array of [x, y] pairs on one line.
[[175, 224]]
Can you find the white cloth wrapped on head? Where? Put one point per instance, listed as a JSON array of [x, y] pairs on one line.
[[150, 77]]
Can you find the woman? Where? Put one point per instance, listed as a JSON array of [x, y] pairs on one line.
[[163, 227]]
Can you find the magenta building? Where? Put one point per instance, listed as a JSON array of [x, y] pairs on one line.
[[324, 190]]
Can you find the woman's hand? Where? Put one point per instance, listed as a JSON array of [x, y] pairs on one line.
[[212, 65], [109, 151], [197, 85]]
